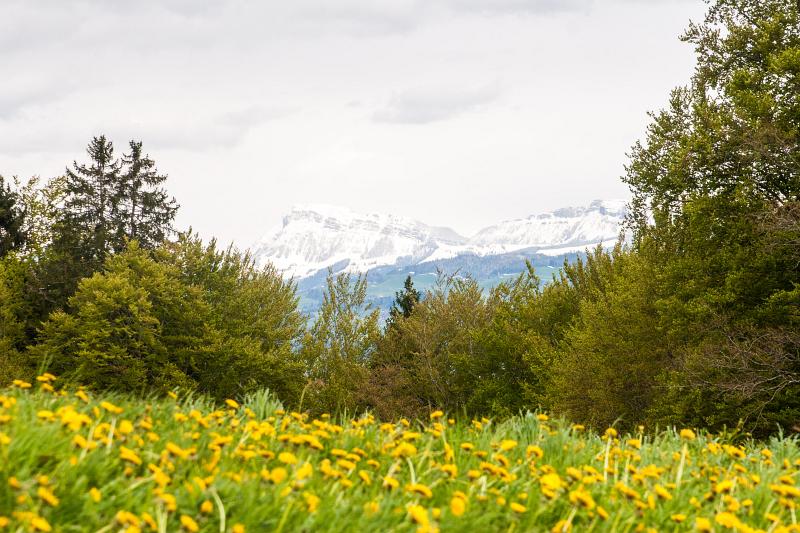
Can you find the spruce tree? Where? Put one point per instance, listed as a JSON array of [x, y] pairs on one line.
[[82, 232], [12, 218], [146, 211], [404, 301], [91, 204], [107, 202], [113, 200]]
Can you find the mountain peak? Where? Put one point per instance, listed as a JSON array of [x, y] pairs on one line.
[[313, 237]]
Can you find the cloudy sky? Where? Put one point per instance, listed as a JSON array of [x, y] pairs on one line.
[[455, 112]]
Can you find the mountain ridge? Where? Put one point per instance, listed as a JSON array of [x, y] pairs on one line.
[[314, 237]]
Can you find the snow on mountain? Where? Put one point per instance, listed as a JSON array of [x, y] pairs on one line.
[[570, 226], [316, 237]]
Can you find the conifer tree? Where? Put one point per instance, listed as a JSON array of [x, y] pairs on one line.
[[404, 301], [92, 201], [111, 200], [106, 203], [146, 211], [12, 218]]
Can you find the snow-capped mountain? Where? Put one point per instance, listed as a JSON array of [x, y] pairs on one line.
[[572, 228], [312, 238]]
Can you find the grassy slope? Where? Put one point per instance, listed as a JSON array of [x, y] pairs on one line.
[[240, 475]]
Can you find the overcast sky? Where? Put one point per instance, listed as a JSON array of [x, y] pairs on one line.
[[455, 112]]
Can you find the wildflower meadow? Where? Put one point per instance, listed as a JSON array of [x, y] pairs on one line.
[[74, 461]]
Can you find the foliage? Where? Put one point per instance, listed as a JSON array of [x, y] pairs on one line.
[[339, 345], [131, 328], [141, 326], [614, 352], [512, 374], [41, 203], [12, 326], [433, 348], [255, 312], [719, 174], [105, 203]]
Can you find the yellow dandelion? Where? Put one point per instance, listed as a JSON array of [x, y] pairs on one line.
[[534, 451], [287, 458], [48, 497], [703, 524], [188, 523], [111, 408], [404, 449], [450, 469], [169, 501], [150, 521], [507, 445], [551, 482], [583, 498], [728, 520], [278, 475], [304, 471], [40, 524], [126, 518], [662, 493], [312, 502], [518, 507], [458, 505], [126, 454], [419, 515], [420, 489]]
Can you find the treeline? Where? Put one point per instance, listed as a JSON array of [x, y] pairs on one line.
[[696, 321]]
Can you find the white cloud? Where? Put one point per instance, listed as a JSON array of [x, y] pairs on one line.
[[422, 106]]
